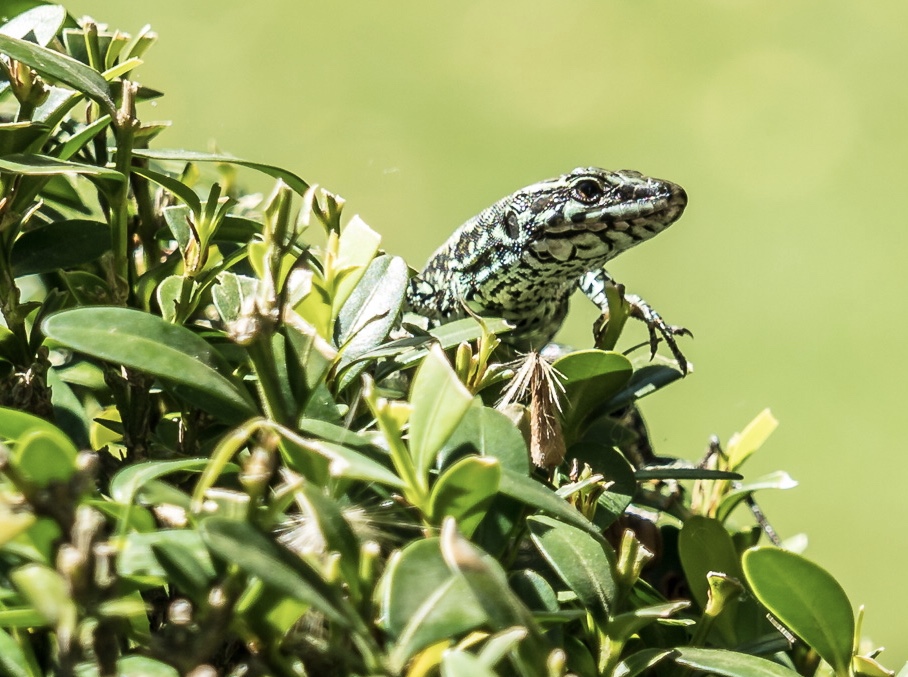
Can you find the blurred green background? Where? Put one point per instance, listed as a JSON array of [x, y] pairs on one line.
[[785, 121]]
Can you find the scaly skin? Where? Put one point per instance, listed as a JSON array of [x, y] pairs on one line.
[[522, 258]]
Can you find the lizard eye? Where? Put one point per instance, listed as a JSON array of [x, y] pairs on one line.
[[588, 190]]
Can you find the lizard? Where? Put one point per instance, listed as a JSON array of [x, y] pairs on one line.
[[522, 258]]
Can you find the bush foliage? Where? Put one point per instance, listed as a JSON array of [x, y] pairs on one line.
[[226, 454]]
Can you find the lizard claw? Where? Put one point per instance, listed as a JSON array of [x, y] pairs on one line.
[[656, 326]]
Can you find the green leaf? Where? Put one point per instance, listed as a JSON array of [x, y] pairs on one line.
[[326, 516], [187, 195], [409, 351], [39, 251], [641, 661], [370, 312], [423, 602], [14, 423], [244, 546], [16, 137], [131, 666], [488, 432], [230, 294], [145, 342], [357, 247], [48, 594], [704, 546], [439, 402], [13, 660], [456, 663], [645, 381], [465, 491], [45, 456], [42, 22], [43, 165], [776, 480], [807, 599], [743, 444], [296, 183], [138, 555], [489, 585], [585, 565], [345, 462], [60, 67], [729, 663], [590, 377], [530, 492]]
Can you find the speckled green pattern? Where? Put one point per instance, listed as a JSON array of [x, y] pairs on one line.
[[521, 258]]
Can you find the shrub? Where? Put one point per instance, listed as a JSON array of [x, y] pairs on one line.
[[224, 454]]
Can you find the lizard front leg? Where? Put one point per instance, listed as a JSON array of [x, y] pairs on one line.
[[594, 285]]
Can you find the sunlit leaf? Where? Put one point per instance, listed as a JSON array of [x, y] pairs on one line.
[[807, 599]]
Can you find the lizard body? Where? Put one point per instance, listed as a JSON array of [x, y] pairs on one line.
[[522, 258]]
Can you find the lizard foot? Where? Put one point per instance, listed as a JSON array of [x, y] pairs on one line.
[[641, 310]]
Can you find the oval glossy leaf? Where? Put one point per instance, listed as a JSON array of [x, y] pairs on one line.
[[488, 432], [45, 456], [60, 67], [13, 423], [39, 251], [439, 402], [148, 343], [584, 564], [465, 491], [729, 663], [296, 183], [410, 591], [807, 599], [590, 377], [422, 602], [704, 546]]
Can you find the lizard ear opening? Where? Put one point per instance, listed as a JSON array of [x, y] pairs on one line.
[[588, 190], [512, 226]]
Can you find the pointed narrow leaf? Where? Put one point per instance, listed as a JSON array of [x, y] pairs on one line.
[[60, 67], [42, 165], [532, 493], [241, 544], [295, 182]]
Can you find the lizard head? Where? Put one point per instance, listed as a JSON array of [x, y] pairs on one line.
[[590, 215]]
